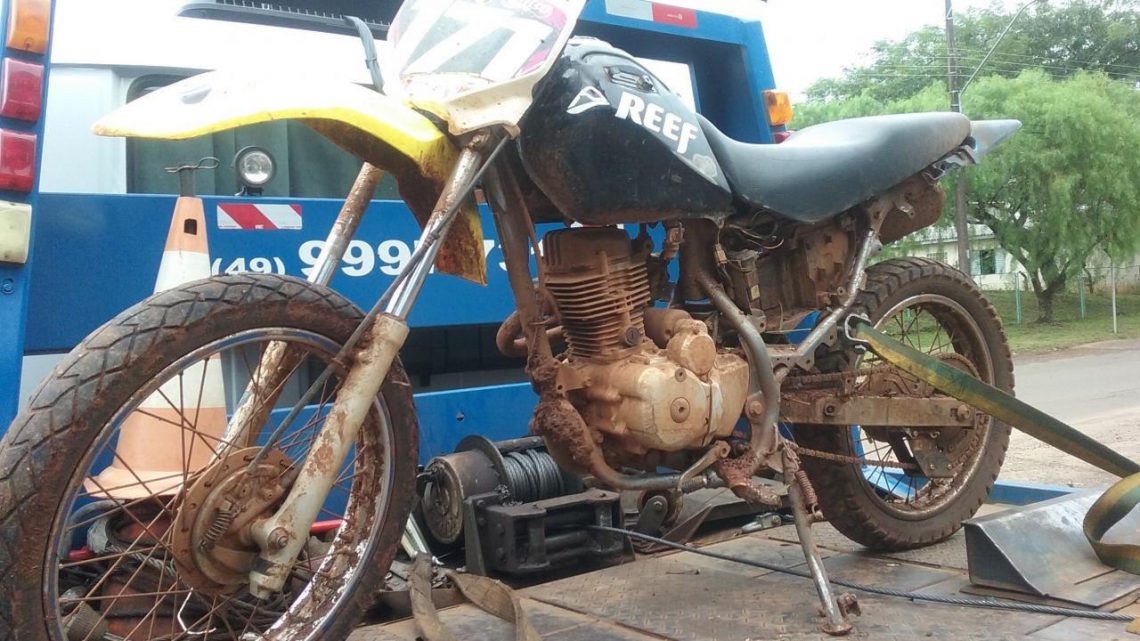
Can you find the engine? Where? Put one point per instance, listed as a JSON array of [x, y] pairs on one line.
[[645, 379]]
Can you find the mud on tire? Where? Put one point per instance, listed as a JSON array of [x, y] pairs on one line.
[[851, 503], [44, 453]]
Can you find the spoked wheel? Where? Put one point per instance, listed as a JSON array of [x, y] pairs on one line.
[[887, 502], [127, 507]]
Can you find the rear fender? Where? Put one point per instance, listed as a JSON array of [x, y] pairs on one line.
[[377, 129], [985, 135]]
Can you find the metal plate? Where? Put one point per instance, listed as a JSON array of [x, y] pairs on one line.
[[1041, 550], [686, 597]]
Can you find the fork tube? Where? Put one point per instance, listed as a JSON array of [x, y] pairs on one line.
[[260, 395], [282, 535], [347, 221]]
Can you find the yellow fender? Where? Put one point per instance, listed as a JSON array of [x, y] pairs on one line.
[[380, 130]]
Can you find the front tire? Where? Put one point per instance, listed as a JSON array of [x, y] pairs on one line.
[[939, 310], [130, 578]]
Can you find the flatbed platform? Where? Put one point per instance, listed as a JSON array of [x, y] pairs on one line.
[[687, 597]]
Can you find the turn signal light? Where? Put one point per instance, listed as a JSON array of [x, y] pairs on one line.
[[21, 90], [779, 107], [17, 160], [28, 22]]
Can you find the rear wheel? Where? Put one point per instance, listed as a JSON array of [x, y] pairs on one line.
[[937, 310], [118, 516]]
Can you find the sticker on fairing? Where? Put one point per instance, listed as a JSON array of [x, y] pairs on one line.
[[658, 120], [587, 99]]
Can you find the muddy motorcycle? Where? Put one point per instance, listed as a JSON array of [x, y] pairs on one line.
[[274, 513]]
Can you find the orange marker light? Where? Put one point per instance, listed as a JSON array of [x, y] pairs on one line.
[[28, 22], [779, 107]]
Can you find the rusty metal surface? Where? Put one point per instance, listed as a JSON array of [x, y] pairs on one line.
[[601, 288], [420, 186], [685, 597], [877, 411], [210, 538], [472, 624], [913, 205], [649, 596]]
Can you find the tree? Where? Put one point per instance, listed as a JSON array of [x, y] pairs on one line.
[[1068, 184], [1058, 38]]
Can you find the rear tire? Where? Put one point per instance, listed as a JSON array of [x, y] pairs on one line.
[[63, 438], [864, 511]]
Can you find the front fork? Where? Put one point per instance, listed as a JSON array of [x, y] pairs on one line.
[[370, 352]]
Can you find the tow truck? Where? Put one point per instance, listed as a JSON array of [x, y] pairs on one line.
[[81, 231]]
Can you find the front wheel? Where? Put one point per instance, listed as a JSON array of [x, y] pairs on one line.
[[125, 506], [938, 310]]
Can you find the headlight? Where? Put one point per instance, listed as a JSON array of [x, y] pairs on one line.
[[254, 167]]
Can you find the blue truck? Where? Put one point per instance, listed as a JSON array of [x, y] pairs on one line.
[[104, 204]]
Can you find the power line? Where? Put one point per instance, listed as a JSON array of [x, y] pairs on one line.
[[1023, 55], [932, 64]]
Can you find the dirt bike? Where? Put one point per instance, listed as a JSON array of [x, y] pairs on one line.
[[142, 501]]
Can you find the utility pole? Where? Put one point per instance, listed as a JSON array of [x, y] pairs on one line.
[[952, 73]]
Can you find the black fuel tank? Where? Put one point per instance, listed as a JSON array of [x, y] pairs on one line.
[[609, 143]]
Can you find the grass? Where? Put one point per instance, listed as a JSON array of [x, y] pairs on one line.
[[1069, 329]]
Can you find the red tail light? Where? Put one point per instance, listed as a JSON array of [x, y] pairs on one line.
[[17, 160], [21, 90]]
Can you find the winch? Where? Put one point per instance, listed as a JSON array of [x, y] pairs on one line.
[[513, 508]]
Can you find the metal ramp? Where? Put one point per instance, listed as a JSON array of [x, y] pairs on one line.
[[1041, 551]]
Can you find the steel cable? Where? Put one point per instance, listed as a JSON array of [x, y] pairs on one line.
[[532, 475], [992, 604]]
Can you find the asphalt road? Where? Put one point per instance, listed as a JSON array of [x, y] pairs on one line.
[[1095, 388]]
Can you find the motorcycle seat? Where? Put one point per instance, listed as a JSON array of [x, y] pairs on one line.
[[823, 170]]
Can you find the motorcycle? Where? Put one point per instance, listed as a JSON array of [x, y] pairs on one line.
[[275, 513]]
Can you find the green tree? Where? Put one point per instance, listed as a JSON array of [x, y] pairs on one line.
[[1068, 184], [1060, 38]]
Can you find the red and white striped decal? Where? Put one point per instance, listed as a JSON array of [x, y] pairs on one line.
[[255, 216], [653, 12]]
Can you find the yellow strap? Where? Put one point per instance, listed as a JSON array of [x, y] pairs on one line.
[[1115, 504], [1108, 510]]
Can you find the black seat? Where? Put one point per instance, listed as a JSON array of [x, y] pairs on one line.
[[822, 171]]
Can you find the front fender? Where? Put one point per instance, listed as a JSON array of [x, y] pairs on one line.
[[377, 129]]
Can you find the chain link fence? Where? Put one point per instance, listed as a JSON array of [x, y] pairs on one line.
[[1089, 297]]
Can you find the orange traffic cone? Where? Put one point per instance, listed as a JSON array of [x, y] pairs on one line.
[[177, 429]]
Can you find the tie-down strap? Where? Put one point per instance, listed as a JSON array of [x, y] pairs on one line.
[[487, 594]]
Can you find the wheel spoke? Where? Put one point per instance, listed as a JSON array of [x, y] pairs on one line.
[[136, 580]]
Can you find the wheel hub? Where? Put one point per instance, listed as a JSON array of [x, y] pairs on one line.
[[212, 544]]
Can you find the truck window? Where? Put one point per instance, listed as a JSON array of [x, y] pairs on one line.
[[308, 166]]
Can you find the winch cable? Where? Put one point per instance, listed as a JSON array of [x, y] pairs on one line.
[[902, 594]]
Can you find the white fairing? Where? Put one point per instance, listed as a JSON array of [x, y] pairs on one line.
[[474, 63]]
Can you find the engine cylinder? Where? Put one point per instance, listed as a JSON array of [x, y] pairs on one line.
[[601, 291]]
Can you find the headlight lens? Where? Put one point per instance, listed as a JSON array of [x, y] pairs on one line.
[[255, 166]]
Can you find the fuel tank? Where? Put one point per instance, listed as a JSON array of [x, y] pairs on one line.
[[609, 143]]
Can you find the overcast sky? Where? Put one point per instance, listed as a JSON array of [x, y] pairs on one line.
[[812, 39]]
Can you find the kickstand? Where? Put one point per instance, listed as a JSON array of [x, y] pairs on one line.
[[837, 623]]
